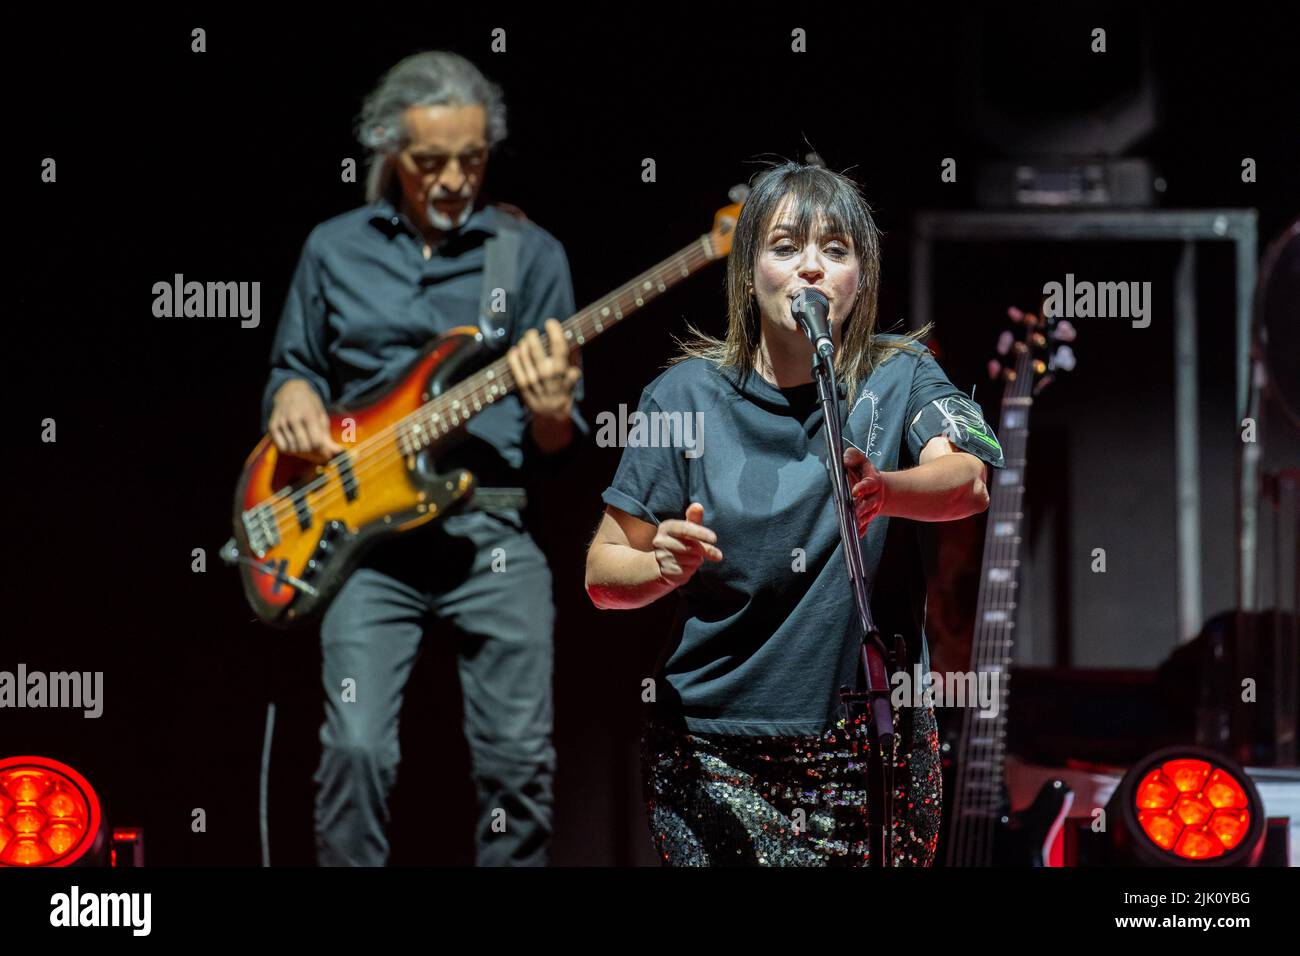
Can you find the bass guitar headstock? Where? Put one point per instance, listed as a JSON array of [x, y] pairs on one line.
[[724, 224], [1047, 342]]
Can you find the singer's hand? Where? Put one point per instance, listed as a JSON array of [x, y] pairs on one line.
[[868, 487], [681, 547]]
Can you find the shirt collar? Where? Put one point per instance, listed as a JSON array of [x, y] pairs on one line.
[[387, 217]]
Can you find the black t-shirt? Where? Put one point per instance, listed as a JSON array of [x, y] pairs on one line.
[[764, 639]]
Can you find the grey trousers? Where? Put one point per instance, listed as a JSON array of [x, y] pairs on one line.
[[483, 575]]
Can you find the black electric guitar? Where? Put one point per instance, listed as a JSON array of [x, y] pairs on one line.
[[981, 829]]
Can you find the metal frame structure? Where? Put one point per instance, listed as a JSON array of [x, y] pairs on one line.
[[1187, 226]]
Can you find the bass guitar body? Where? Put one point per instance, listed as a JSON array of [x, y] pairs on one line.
[[302, 527], [997, 835]]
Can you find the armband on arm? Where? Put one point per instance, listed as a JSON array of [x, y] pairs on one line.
[[961, 421]]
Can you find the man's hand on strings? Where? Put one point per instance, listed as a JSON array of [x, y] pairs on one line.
[[546, 380], [299, 424]]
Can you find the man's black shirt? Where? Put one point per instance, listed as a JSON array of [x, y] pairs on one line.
[[364, 301]]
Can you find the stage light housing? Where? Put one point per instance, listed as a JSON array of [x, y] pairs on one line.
[[1187, 806], [49, 814]]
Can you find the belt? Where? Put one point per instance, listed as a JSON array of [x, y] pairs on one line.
[[498, 499]]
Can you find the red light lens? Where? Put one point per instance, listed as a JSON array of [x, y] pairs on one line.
[[49, 814], [1156, 792], [1193, 809], [1224, 791], [1160, 827], [1196, 844], [1188, 775], [1229, 826]]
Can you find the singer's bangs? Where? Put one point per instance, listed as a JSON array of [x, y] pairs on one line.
[[805, 200]]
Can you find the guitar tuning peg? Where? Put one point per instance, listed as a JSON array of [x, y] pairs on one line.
[[1063, 359], [1004, 342], [1064, 331], [995, 368], [1042, 383], [1015, 314]]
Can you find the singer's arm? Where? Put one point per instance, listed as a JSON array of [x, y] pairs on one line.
[[947, 484]]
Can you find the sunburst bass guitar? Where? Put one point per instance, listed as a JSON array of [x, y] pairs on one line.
[[300, 528]]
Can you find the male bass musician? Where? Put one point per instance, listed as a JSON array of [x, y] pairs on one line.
[[372, 287]]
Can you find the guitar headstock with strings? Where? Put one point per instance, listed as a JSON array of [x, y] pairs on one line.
[[724, 223], [1046, 342]]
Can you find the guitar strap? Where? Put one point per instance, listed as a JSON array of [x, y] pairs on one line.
[[496, 307], [496, 311]]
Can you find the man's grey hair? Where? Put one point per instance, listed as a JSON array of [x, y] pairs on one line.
[[434, 78]]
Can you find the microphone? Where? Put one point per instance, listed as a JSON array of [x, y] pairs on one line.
[[812, 311]]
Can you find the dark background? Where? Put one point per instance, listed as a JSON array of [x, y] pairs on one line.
[[217, 165]]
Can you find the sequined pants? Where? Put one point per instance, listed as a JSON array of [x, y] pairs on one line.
[[724, 800]]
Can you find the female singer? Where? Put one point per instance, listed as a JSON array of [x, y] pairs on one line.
[[746, 758]]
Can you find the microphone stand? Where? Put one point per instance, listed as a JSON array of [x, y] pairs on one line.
[[871, 703]]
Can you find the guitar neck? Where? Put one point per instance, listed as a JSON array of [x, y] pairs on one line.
[[982, 753], [456, 406], [995, 609]]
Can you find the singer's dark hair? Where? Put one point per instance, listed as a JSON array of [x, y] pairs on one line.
[[813, 193]]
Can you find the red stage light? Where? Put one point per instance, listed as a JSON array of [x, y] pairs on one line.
[[49, 813], [1187, 831], [1185, 806]]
